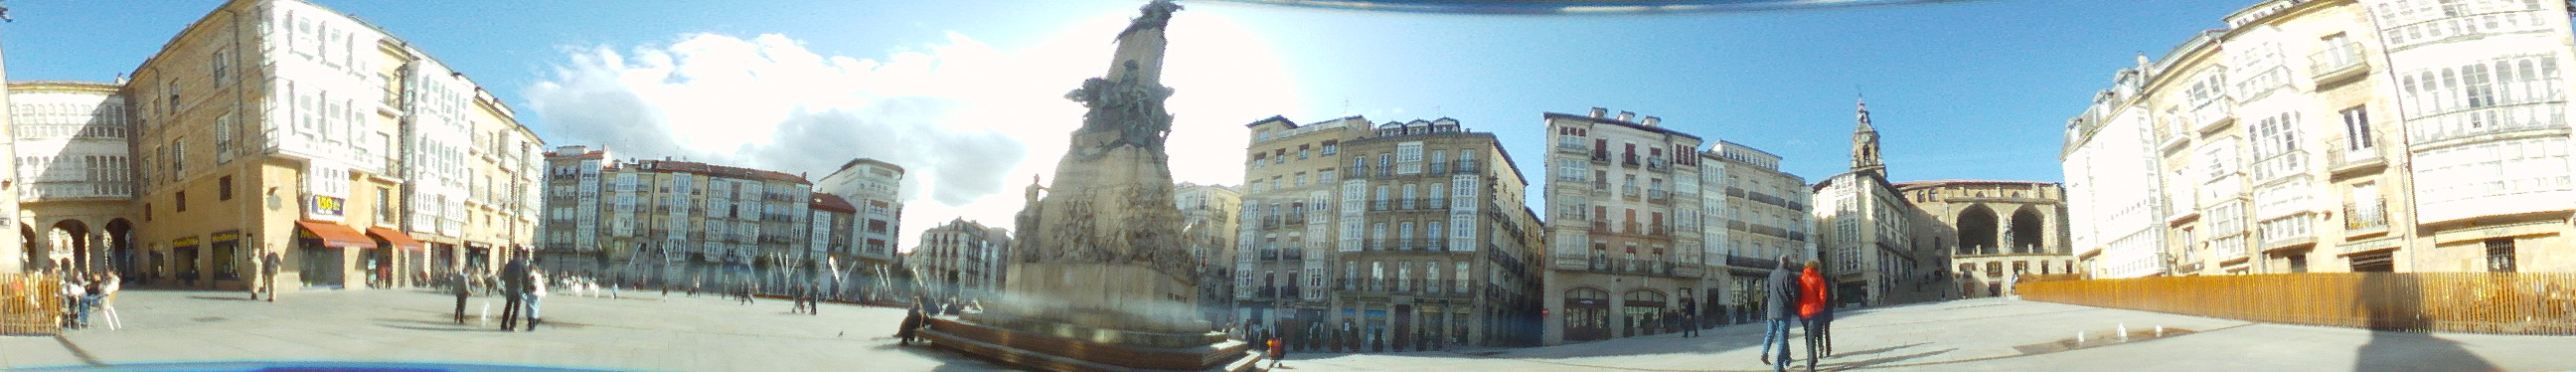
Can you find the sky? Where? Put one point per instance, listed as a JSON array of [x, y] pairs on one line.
[[968, 94]]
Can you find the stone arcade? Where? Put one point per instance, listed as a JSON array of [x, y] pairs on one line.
[[1107, 219]]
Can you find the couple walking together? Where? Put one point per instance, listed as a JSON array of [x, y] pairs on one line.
[[1802, 296]]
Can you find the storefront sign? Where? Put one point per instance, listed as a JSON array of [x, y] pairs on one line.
[[323, 206], [184, 242], [226, 236]]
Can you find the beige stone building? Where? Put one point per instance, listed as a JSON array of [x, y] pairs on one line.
[[74, 177], [1207, 215], [1287, 225], [2412, 136], [1398, 236], [1619, 261], [1878, 247], [282, 126], [1751, 213], [961, 258], [2003, 228], [15, 255]]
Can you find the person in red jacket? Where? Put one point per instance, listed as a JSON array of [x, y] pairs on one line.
[[1811, 301]]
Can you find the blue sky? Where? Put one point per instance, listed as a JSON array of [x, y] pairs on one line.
[[1959, 90]]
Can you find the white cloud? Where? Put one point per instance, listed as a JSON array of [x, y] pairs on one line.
[[967, 120]]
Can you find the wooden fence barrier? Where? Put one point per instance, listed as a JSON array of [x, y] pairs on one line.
[[31, 304], [2507, 303]]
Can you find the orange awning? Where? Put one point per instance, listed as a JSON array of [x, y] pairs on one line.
[[397, 237], [334, 235]]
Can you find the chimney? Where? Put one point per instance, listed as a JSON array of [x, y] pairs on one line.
[[1597, 112], [1626, 116], [1650, 121]]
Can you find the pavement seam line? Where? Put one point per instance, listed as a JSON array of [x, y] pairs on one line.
[[78, 352]]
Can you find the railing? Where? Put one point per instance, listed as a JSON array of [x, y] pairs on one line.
[[1600, 189], [1572, 146], [1659, 196], [2510, 303], [1658, 163], [1751, 262], [2365, 217], [31, 304], [1600, 156], [1629, 191], [1628, 160], [2343, 157]]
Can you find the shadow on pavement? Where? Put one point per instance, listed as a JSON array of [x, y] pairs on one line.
[[1867, 363], [423, 325], [223, 298], [2395, 311]]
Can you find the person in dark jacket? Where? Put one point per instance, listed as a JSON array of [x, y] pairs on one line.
[[464, 287], [911, 322], [1824, 328], [1781, 308], [514, 283]]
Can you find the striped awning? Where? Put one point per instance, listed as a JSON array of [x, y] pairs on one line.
[[333, 235]]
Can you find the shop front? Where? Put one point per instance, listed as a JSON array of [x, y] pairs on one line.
[[184, 250], [323, 251], [228, 258], [393, 257], [1587, 315]]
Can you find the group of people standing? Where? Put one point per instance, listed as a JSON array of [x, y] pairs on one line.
[[522, 284], [1804, 296]]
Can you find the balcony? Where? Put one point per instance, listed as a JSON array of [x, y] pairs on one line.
[[1601, 156], [2370, 217], [2212, 114], [2336, 63], [1466, 166], [1628, 160], [2283, 165], [1357, 172], [1576, 147], [1630, 192], [1659, 164], [1602, 227], [1751, 262], [1659, 230], [1628, 228], [1270, 254], [1379, 205], [2349, 161], [1439, 168], [1659, 196], [1600, 189]]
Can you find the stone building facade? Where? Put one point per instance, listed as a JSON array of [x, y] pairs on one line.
[[309, 133], [1207, 220], [74, 177], [1398, 237], [961, 259], [2413, 136], [1874, 244], [1752, 214], [1619, 190], [2003, 228], [675, 221], [875, 189]]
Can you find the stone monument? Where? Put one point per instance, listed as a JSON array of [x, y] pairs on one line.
[[1102, 278]]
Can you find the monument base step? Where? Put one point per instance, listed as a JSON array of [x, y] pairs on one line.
[[1042, 352]]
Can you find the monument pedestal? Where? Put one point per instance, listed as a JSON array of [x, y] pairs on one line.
[[1063, 347]]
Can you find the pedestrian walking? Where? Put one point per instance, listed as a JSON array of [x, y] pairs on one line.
[[1811, 300], [1277, 353], [1781, 308], [536, 294], [256, 268], [514, 281], [1690, 317], [1824, 331], [269, 274], [464, 288]]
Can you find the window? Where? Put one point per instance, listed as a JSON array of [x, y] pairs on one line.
[[180, 199], [178, 158], [222, 67], [224, 188], [385, 205], [1303, 151], [2500, 255], [1330, 147], [2356, 126], [1323, 176]]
